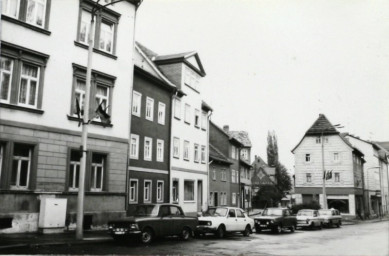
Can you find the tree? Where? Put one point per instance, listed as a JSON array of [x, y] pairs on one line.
[[267, 196], [272, 149], [284, 182]]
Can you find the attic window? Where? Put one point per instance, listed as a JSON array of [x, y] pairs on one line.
[[191, 78]]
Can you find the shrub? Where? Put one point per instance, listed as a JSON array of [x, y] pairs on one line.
[[314, 205]]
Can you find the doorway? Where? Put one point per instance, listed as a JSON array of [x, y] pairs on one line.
[[199, 195]]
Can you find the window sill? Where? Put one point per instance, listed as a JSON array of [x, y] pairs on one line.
[[24, 24], [176, 157], [198, 127], [186, 160], [95, 50], [72, 118], [204, 129], [187, 122], [133, 202], [134, 158], [189, 202], [177, 118], [149, 119], [161, 123], [17, 107]]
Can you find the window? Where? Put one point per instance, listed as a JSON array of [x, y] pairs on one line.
[[307, 158], [214, 174], [197, 118], [318, 140], [186, 150], [233, 176], [309, 177], [211, 199], [204, 120], [148, 147], [188, 190], [1, 158], [136, 103], [149, 109], [134, 146], [175, 191], [231, 213], [176, 147], [233, 153], [336, 157], [101, 91], [196, 153], [160, 191], [147, 191], [106, 22], [233, 198], [160, 150], [21, 166], [191, 78], [97, 172], [337, 177], [33, 12], [177, 108], [203, 159], [161, 113], [133, 197], [223, 198], [187, 114], [245, 153], [223, 175], [21, 77], [239, 214], [74, 170]]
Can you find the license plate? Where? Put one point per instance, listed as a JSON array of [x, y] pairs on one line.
[[119, 232], [263, 225]]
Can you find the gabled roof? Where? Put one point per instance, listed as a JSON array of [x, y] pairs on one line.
[[205, 106], [383, 144], [217, 155], [245, 162], [225, 133], [184, 58], [241, 136], [321, 126]]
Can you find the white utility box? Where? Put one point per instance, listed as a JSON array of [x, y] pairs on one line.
[[52, 215]]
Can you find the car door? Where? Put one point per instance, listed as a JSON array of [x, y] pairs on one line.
[[231, 220], [286, 218], [165, 223], [178, 218], [241, 220]]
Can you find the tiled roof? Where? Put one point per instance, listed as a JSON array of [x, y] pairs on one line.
[[149, 53], [322, 126], [383, 144], [217, 155], [175, 56], [241, 136]]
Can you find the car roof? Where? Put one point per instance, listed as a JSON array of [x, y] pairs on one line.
[[307, 210]]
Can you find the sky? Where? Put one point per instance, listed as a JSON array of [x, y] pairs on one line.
[[276, 65]]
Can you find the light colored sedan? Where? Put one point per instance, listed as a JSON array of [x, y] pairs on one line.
[[307, 218]]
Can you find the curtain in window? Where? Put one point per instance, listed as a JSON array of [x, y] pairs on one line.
[[189, 191]]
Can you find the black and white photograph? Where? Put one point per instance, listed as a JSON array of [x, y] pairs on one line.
[[194, 127]]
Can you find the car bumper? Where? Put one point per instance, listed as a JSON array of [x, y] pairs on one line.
[[304, 224], [206, 229], [124, 232], [265, 226]]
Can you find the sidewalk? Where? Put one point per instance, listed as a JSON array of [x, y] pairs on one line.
[[35, 239], [359, 221]]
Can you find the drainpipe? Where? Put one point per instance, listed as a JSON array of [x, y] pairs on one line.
[[207, 159]]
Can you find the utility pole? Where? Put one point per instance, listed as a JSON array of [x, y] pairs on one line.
[[323, 171]]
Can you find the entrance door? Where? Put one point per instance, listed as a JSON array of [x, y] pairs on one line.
[[199, 195], [215, 199]]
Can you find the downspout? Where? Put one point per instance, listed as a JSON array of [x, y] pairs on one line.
[[171, 146], [208, 162]]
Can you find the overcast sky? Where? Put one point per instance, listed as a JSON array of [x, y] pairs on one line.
[[275, 65]]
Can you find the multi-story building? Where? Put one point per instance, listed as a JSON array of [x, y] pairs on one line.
[[41, 80], [245, 168], [148, 179], [189, 131], [323, 148], [224, 175], [375, 175], [262, 175]]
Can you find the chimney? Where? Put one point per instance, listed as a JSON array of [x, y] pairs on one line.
[[226, 128]]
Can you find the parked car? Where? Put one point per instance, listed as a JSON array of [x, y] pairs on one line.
[[225, 220], [331, 217], [152, 220], [307, 218], [275, 219]]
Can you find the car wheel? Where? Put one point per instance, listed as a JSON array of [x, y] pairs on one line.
[[147, 236], [258, 230], [277, 229], [220, 232], [247, 231], [338, 225], [321, 225], [185, 234], [292, 228]]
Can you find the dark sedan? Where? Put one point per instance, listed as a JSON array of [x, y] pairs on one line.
[[152, 220], [275, 219]]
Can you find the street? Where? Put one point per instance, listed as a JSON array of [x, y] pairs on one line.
[[360, 239]]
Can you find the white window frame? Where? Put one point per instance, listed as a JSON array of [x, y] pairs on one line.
[[161, 113], [337, 177], [149, 113], [106, 35], [336, 157], [28, 89], [160, 147], [1, 158], [95, 166], [34, 18], [233, 198], [187, 113], [160, 190], [204, 119], [6, 8], [214, 174], [73, 183], [80, 93], [233, 151], [233, 176], [194, 193], [196, 155], [197, 120], [203, 154], [136, 103], [19, 160], [177, 108], [186, 150], [8, 72], [134, 147], [100, 98], [308, 177], [175, 191], [133, 191], [244, 153], [307, 158], [148, 153], [148, 193], [85, 21], [176, 147]]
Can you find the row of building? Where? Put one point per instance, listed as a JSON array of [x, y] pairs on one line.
[[359, 184], [159, 147]]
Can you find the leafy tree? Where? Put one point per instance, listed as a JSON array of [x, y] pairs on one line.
[[284, 182], [267, 196], [272, 149]]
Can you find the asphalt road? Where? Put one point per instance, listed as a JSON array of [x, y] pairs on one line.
[[361, 239]]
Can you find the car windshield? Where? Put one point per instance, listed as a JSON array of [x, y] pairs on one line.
[[325, 212], [272, 212], [220, 212], [146, 210], [304, 213]]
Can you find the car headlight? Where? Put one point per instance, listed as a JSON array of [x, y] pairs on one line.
[[209, 223], [272, 221], [110, 226], [308, 221], [134, 227]]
